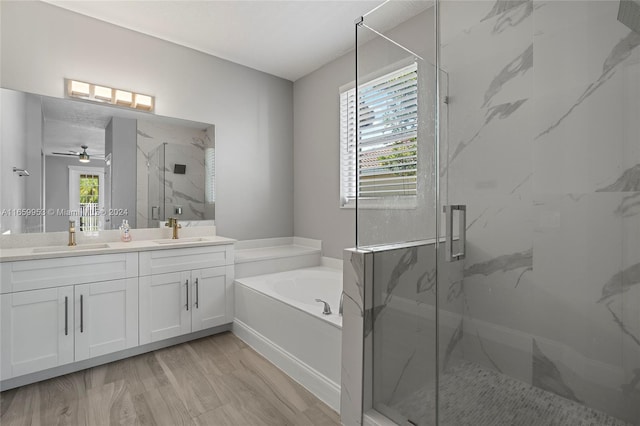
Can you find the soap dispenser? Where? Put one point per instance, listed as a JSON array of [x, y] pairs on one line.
[[125, 234]]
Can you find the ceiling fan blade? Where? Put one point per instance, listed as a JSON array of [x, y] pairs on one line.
[[64, 153]]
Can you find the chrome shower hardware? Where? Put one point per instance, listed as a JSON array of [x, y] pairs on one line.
[[327, 308]]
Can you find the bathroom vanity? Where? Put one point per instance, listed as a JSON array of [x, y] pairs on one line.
[[63, 309]]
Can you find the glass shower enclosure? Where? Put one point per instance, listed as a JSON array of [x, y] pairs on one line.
[[497, 192]]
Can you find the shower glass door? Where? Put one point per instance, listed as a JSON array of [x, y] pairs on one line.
[[389, 175], [543, 325]]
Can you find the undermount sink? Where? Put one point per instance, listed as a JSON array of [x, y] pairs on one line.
[[69, 248], [180, 240]]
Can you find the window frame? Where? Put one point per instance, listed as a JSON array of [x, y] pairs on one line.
[[74, 195], [347, 200]]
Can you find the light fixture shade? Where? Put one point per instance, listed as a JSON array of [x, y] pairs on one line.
[[105, 94], [83, 156]]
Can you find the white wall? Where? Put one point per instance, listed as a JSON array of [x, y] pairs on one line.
[[252, 111]]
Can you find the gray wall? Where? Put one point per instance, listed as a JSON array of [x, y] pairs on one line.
[[34, 195], [252, 111], [12, 154], [121, 142]]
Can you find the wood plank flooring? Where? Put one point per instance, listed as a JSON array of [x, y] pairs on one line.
[[216, 380]]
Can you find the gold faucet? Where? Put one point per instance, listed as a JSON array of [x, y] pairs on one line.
[[173, 223], [72, 233]]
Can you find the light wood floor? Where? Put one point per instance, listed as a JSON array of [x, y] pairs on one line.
[[216, 380]]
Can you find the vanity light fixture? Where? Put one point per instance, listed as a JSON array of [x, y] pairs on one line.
[[104, 94]]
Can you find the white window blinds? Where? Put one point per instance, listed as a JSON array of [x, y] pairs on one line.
[[210, 175], [387, 125]]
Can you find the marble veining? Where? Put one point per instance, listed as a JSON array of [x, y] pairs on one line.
[[631, 388], [501, 6], [623, 327], [513, 17], [144, 135], [357, 265], [456, 289], [477, 218], [504, 263], [370, 316], [518, 186], [621, 51], [399, 381], [547, 376], [630, 206], [406, 262], [520, 65], [486, 353], [500, 111], [426, 282], [629, 181], [455, 339], [621, 282], [528, 269]]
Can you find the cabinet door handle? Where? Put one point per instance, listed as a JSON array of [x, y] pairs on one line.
[[66, 316], [197, 295], [81, 315], [186, 286]]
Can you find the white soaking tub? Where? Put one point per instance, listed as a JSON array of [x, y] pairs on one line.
[[277, 315]]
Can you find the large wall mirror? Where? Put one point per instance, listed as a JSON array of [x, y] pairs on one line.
[[65, 159]]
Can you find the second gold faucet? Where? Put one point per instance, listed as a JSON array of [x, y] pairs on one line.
[[173, 223], [72, 233]]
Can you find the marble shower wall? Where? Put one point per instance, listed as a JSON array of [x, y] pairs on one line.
[[184, 146], [543, 148], [403, 328]]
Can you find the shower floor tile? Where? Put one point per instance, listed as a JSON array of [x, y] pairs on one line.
[[473, 395]]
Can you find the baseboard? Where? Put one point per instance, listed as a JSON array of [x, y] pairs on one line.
[[318, 384]]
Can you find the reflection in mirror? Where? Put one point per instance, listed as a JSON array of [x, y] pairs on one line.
[[99, 165], [172, 165]]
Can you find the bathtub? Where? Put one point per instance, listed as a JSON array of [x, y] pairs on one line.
[[277, 315]]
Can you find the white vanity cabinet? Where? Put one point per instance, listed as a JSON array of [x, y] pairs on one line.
[[106, 317], [65, 313], [37, 330], [46, 324], [185, 290]]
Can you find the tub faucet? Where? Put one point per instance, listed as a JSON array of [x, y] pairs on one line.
[[72, 233], [327, 308]]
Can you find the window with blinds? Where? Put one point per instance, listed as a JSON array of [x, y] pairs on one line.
[[210, 175], [385, 162]]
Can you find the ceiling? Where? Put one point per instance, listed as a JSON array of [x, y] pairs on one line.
[[288, 39]]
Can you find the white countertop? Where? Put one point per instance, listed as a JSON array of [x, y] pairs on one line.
[[46, 247]]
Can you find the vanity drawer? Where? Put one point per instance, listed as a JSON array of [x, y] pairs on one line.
[[46, 273], [185, 259]]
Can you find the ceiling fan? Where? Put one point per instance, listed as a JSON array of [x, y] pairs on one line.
[[83, 156]]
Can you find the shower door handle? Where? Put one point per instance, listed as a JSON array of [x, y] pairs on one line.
[[450, 256]]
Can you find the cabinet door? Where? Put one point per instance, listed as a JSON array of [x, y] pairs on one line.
[[209, 298], [106, 317], [165, 309], [37, 330]]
